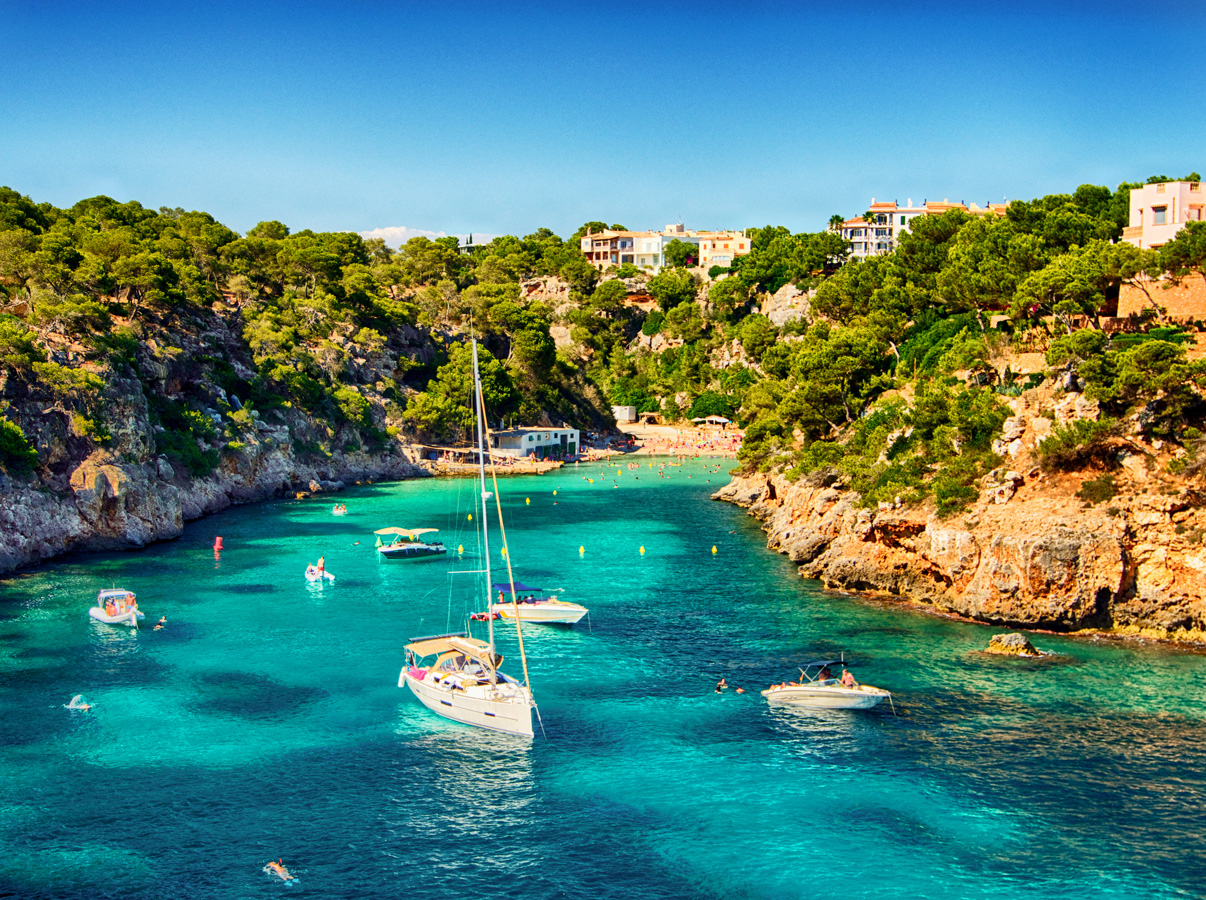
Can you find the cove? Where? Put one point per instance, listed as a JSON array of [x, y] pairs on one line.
[[265, 721]]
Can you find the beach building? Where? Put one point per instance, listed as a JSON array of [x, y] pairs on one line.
[[541, 443], [1159, 211], [624, 414], [647, 249], [880, 233]]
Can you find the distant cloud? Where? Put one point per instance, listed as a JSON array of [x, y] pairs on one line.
[[397, 235]]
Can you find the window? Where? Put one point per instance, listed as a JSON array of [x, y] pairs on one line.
[[1195, 186], [1159, 215], [903, 219], [1160, 189]]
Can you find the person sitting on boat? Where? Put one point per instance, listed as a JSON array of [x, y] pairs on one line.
[[825, 675], [848, 678], [110, 609]]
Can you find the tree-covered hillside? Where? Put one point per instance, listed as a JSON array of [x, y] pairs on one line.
[[891, 376]]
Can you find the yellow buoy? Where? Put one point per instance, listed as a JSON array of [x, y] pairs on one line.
[[642, 549], [470, 517], [713, 549], [592, 481], [527, 501], [554, 493], [460, 548], [504, 551], [581, 550]]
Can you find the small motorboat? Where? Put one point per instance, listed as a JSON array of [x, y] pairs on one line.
[[313, 573], [532, 604], [116, 606], [818, 689], [407, 545]]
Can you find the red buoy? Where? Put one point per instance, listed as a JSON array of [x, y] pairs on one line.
[[217, 543]]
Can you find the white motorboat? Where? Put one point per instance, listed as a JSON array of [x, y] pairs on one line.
[[313, 573], [464, 682], [822, 691], [531, 604], [116, 606]]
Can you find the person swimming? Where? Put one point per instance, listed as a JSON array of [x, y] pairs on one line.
[[78, 702], [278, 869]]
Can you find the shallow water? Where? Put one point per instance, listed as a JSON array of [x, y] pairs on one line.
[[265, 721]]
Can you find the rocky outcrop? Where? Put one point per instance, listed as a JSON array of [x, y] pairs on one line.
[[112, 504], [1011, 645], [1040, 559]]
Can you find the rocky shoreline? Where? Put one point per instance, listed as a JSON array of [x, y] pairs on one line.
[[1033, 561], [110, 504]]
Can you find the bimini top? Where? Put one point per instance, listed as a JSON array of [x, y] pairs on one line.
[[520, 588], [825, 663], [412, 533], [461, 643]]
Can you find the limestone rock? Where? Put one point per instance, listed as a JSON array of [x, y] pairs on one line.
[[1011, 645]]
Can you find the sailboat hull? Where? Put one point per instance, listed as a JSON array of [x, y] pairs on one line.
[[505, 707]]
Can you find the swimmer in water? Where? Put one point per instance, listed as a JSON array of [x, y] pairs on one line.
[[78, 702], [278, 869], [162, 621]]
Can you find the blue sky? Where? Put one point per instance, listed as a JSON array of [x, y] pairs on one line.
[[493, 118]]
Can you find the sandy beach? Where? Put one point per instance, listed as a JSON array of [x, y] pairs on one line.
[[669, 440]]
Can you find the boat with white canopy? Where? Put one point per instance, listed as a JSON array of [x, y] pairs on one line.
[[116, 606], [407, 544], [464, 682], [818, 689], [532, 604]]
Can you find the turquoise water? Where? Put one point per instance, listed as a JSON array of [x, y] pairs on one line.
[[264, 721]]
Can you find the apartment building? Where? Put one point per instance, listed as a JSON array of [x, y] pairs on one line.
[[1159, 211], [647, 249], [880, 233]]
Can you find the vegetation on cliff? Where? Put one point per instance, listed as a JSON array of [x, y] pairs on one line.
[[891, 374]]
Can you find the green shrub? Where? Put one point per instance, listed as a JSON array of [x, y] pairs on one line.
[[1098, 490], [653, 323], [17, 455], [1077, 445]]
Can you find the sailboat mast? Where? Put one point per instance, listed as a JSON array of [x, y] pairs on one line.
[[479, 415]]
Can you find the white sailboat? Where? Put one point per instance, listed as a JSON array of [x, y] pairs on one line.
[[464, 682]]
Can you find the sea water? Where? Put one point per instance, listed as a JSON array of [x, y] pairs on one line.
[[264, 721]]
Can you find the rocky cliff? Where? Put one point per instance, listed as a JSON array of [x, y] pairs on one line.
[[109, 475], [1031, 552]]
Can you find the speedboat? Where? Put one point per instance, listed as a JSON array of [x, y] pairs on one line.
[[124, 606], [818, 689], [406, 543], [464, 683], [530, 604]]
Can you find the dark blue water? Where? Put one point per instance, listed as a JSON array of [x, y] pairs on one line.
[[265, 722]]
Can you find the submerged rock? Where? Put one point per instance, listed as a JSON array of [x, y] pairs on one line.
[[1012, 645]]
